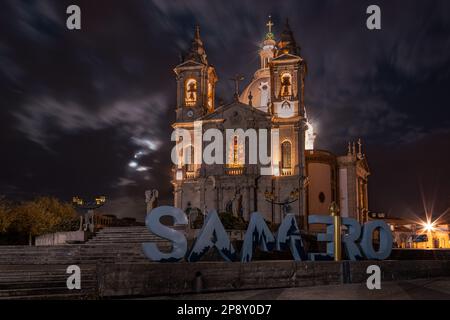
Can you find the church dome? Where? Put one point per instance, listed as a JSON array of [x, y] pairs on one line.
[[259, 90]]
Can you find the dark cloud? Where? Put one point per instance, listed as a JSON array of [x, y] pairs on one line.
[[77, 106]]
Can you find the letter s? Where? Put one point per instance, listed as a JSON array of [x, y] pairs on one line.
[[179, 242]]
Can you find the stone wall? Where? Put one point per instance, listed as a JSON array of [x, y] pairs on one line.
[[57, 238], [178, 278], [420, 254]]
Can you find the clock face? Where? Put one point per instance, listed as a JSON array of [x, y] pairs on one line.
[[190, 113]]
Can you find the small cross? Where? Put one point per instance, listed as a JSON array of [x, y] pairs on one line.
[[236, 80], [270, 24]]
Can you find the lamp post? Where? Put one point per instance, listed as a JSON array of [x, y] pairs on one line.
[[334, 212], [90, 206], [272, 198]]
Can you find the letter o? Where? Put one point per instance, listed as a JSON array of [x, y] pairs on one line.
[[385, 240]]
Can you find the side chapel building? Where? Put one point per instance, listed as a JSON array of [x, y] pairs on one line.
[[307, 177]]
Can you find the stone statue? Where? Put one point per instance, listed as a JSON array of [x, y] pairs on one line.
[[151, 199], [229, 207], [237, 204]]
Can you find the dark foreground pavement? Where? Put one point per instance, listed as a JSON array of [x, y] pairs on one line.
[[433, 289]]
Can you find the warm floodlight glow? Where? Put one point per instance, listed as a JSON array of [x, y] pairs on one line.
[[428, 226], [179, 175]]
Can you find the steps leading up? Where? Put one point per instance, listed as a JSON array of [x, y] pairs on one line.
[[45, 281], [29, 272], [122, 244]]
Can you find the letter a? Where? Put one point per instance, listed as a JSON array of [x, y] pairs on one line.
[[374, 281], [74, 281], [212, 235], [74, 20], [374, 20]]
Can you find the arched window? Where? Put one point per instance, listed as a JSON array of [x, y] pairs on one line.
[[286, 155], [286, 105], [190, 95], [210, 96], [189, 158], [235, 150], [286, 84]]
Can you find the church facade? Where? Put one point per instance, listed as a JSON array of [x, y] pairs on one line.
[[303, 181]]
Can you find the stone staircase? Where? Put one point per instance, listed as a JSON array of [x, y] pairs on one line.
[[44, 281], [29, 272], [121, 244], [62, 254], [135, 234]]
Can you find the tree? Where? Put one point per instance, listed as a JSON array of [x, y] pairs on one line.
[[43, 215], [6, 215]]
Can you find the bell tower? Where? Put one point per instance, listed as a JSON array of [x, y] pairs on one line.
[[196, 82], [288, 70], [287, 78]]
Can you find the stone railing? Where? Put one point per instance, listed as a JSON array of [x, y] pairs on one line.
[[235, 170], [286, 171], [191, 174]]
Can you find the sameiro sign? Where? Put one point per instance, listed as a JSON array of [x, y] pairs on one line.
[[357, 240]]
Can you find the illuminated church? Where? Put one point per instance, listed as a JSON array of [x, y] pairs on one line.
[[304, 180]]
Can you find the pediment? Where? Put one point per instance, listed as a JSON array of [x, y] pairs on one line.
[[189, 64], [238, 115], [286, 57]]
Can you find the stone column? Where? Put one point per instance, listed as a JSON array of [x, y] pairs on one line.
[[220, 207], [246, 203], [251, 200], [178, 197], [300, 129]]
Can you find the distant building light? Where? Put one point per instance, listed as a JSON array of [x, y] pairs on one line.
[[179, 175], [378, 215], [276, 171]]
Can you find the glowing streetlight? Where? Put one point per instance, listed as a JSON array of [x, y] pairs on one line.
[[272, 198], [428, 227], [90, 206]]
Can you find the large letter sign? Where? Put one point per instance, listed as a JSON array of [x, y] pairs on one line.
[[289, 237], [214, 235], [325, 237], [179, 242], [350, 239], [257, 234], [385, 240]]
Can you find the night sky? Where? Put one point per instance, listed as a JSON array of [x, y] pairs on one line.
[[77, 106]]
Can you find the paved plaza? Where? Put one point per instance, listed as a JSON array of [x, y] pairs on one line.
[[433, 289]]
